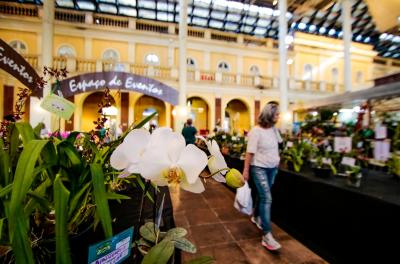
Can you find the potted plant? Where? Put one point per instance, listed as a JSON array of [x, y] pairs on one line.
[[323, 166], [293, 156], [394, 165], [354, 176]]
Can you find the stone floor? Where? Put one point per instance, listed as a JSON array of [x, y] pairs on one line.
[[220, 231]]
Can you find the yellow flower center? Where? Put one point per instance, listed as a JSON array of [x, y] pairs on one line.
[[173, 175]]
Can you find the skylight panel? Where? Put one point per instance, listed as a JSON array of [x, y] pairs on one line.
[[65, 3], [271, 33], [202, 3], [233, 17], [263, 22], [253, 10], [221, 4], [302, 26], [199, 21], [265, 12], [108, 8], [218, 15], [235, 7], [127, 2], [147, 4], [86, 5], [147, 14], [201, 12], [332, 32], [108, 1], [231, 26], [260, 31], [312, 28], [127, 11], [250, 20], [216, 24], [247, 29]]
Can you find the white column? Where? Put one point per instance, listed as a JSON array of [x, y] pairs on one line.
[[347, 36], [47, 50], [171, 56], [283, 81], [181, 114]]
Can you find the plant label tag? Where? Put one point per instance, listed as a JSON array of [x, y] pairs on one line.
[[348, 161], [360, 144], [289, 144], [326, 161], [112, 250], [382, 150], [342, 144], [380, 132], [59, 106]]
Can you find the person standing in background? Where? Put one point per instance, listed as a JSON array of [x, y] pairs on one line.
[[261, 166], [189, 132]]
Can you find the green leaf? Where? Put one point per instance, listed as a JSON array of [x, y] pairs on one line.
[[40, 199], [1, 226], [140, 182], [202, 260], [24, 176], [26, 132], [148, 231], [61, 196], [37, 129], [39, 191], [160, 253], [72, 137], [99, 191], [4, 191], [185, 245], [14, 143], [20, 241], [116, 196], [5, 165], [176, 232], [76, 200]]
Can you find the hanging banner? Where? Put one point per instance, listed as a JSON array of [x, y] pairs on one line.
[[13, 63], [118, 80]]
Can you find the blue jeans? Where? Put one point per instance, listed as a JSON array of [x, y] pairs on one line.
[[263, 179]]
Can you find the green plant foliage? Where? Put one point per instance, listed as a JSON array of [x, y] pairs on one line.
[[185, 245], [160, 253], [149, 231], [176, 232]]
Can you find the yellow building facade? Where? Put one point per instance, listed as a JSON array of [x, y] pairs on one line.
[[229, 76]]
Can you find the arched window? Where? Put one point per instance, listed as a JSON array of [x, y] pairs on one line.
[[111, 55], [335, 75], [66, 51], [254, 70], [223, 66], [359, 77], [191, 63], [19, 46], [152, 59], [307, 72]]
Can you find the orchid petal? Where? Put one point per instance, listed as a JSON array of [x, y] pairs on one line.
[[192, 161], [153, 162], [196, 187], [176, 145], [124, 174], [134, 144], [133, 168], [159, 136], [118, 160]]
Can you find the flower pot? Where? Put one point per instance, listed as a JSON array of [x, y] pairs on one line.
[[354, 180]]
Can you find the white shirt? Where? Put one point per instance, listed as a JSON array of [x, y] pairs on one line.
[[263, 143]]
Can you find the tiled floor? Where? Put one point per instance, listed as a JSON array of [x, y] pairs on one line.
[[220, 231]]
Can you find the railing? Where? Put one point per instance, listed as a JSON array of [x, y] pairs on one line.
[[138, 69], [247, 80], [207, 76], [84, 65], [266, 82], [15, 9], [111, 21], [69, 16], [191, 75], [228, 78], [145, 26], [59, 62], [162, 72], [32, 60]]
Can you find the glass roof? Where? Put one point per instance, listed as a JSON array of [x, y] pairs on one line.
[[259, 19]]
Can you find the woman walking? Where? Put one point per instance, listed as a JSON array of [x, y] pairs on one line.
[[261, 165]]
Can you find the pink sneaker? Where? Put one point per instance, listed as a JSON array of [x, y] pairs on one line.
[[270, 243]]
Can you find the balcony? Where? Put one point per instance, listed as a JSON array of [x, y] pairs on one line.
[[169, 74]]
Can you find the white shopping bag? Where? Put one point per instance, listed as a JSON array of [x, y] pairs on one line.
[[243, 201]]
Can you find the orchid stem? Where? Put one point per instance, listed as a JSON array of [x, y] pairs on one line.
[[215, 173]]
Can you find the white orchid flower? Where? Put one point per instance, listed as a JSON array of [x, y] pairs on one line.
[[217, 161], [126, 156], [167, 161]]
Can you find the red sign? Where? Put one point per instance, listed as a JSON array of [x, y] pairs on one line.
[[17, 66]]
